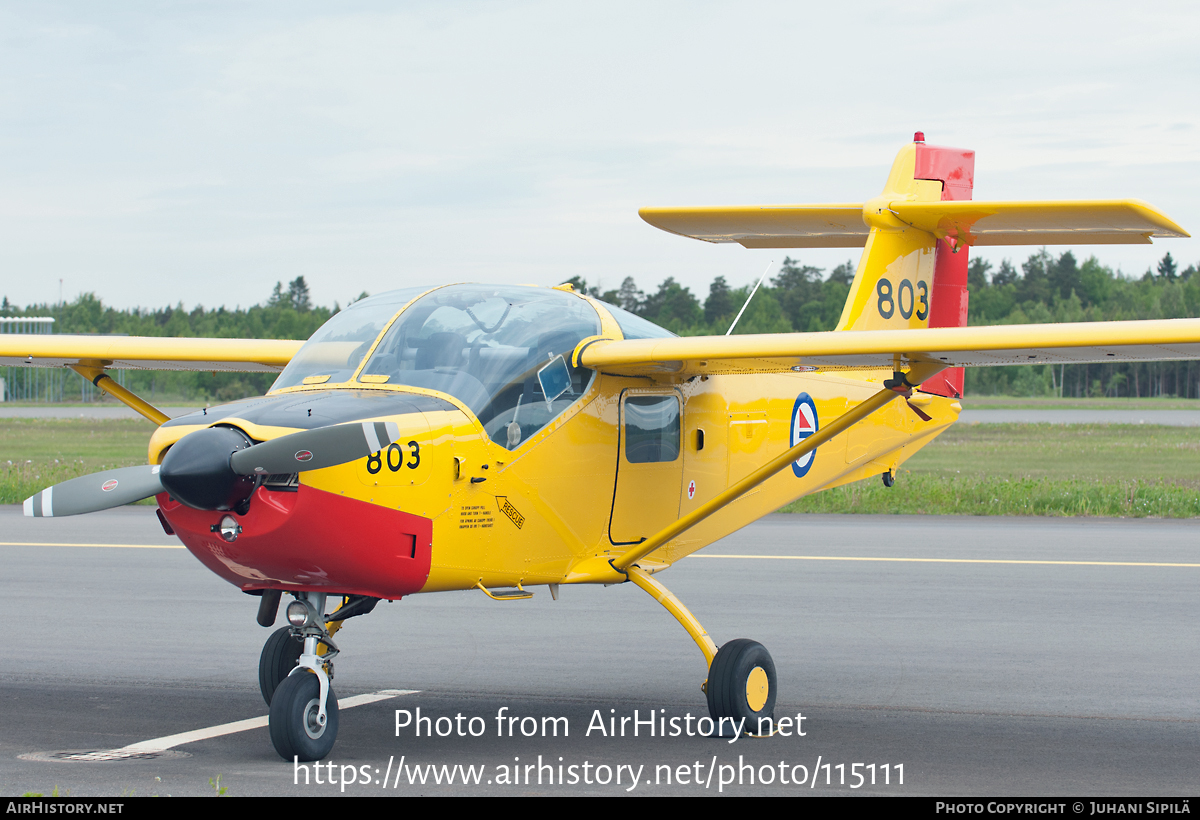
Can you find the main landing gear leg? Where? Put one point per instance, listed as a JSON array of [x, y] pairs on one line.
[[741, 681]]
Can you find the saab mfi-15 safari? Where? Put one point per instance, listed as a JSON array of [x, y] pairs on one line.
[[440, 438]]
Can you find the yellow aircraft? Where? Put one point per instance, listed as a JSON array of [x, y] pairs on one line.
[[501, 438]]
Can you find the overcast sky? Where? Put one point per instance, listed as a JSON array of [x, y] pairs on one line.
[[199, 152]]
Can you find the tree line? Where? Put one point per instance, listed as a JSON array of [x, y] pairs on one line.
[[288, 313], [799, 298], [1045, 288]]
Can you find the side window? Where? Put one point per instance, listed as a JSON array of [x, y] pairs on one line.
[[651, 429]]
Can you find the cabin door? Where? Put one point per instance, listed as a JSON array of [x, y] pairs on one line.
[[649, 465]]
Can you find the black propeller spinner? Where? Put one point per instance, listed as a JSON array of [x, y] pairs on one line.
[[197, 471]]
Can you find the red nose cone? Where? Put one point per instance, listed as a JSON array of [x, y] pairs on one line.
[[919, 137]]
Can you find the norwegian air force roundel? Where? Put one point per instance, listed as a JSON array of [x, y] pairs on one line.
[[804, 424]]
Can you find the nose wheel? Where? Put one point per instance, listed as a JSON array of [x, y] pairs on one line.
[[298, 730], [278, 659]]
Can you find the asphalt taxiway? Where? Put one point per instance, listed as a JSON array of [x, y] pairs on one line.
[[981, 655]]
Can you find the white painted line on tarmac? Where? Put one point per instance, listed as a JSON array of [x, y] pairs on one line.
[[942, 560], [161, 744]]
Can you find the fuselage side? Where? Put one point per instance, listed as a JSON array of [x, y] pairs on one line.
[[557, 507]]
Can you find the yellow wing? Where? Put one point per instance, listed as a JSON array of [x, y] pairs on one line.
[[146, 353], [1079, 343]]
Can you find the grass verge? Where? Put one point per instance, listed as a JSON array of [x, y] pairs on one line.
[[1036, 469], [924, 494], [1068, 403], [37, 453], [971, 469]]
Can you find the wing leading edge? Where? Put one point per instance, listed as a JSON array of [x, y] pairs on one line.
[[1074, 343], [147, 353]]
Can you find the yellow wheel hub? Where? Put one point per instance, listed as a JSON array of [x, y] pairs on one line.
[[757, 689]]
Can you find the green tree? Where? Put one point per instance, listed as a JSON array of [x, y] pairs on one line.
[[1166, 268], [298, 295], [1035, 285], [1095, 282], [720, 303], [977, 275], [673, 306], [1007, 275], [797, 287], [843, 274], [1063, 275], [629, 297], [762, 315]]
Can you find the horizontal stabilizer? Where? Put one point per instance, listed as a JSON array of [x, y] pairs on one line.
[[1110, 222], [1096, 222], [766, 226]]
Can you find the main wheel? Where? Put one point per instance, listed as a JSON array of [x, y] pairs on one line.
[[278, 659], [295, 732], [741, 684]]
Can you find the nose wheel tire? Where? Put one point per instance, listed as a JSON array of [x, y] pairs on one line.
[[295, 730], [742, 684], [278, 659]]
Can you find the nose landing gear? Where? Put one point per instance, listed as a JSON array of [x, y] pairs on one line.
[[294, 674], [303, 716]]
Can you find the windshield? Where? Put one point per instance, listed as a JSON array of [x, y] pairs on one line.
[[336, 349], [503, 351], [635, 327]]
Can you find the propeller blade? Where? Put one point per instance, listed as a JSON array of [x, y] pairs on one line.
[[315, 449], [99, 491]]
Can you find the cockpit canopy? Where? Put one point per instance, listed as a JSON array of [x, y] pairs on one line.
[[503, 351]]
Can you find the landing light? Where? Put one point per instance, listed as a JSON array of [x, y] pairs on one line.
[[298, 613], [230, 528]]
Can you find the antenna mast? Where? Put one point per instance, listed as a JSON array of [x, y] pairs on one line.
[[751, 296]]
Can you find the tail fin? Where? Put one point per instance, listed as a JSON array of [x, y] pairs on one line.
[[897, 282]]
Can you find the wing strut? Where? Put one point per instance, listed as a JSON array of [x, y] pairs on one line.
[[98, 377], [917, 373]]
